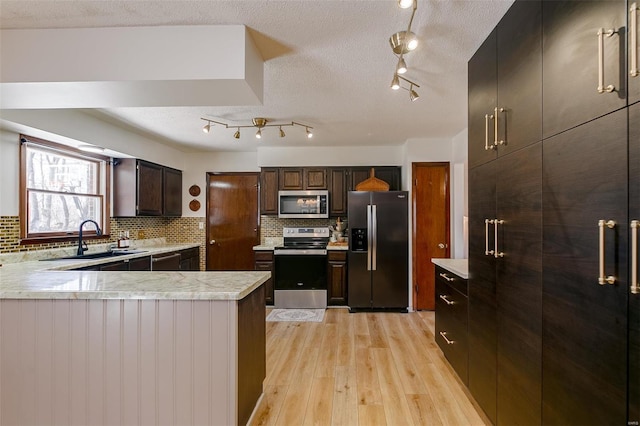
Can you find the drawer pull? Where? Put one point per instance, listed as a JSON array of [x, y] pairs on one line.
[[444, 336], [601, 84], [446, 277], [447, 301]]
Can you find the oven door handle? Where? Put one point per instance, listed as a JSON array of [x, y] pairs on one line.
[[369, 237]]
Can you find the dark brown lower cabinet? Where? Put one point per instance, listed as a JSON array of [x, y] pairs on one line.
[[482, 328], [634, 298], [264, 262], [584, 329], [165, 262], [190, 259], [337, 277], [451, 320]]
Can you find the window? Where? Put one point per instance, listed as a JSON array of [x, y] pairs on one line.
[[60, 188]]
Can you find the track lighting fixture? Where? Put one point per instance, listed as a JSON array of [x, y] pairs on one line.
[[258, 122], [404, 42]]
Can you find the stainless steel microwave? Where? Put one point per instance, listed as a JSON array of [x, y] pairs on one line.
[[303, 204]]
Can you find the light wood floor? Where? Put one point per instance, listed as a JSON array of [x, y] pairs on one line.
[[360, 369]]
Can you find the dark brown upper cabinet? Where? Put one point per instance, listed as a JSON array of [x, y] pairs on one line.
[[172, 192], [142, 188], [505, 86], [315, 178], [338, 189], [573, 90], [291, 178], [269, 190], [390, 174]]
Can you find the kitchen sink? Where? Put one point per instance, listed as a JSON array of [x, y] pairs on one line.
[[98, 255]]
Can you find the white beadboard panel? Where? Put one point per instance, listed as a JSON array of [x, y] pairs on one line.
[[105, 362]]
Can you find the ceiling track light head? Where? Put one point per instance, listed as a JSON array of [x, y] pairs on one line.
[[401, 68], [395, 82], [207, 127], [405, 4], [403, 42], [237, 134]]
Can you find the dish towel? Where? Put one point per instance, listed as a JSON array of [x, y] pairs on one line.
[[301, 315]]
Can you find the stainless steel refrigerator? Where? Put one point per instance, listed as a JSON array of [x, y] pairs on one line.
[[378, 258]]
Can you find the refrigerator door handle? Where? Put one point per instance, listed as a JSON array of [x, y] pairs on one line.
[[369, 239], [374, 225]]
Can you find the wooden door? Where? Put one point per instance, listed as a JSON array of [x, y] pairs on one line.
[[482, 288], [584, 356], [519, 71], [291, 178], [232, 221], [431, 232], [338, 192], [315, 178], [482, 75], [570, 61], [519, 287], [634, 299]]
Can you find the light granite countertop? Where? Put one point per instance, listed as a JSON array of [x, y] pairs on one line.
[[460, 267], [35, 279]]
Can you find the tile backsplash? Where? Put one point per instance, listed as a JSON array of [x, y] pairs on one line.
[[271, 226], [174, 230]]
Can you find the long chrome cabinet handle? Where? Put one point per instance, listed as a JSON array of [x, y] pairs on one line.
[[369, 237], [496, 127], [602, 279], [446, 277], [497, 253], [487, 147], [635, 287], [447, 301], [601, 33], [444, 336], [633, 40], [487, 252], [374, 223]]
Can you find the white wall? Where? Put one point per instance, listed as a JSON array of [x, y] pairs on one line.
[[330, 156]]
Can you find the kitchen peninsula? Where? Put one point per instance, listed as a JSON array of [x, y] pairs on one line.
[[86, 347]]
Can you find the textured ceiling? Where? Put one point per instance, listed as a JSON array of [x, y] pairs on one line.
[[327, 63]]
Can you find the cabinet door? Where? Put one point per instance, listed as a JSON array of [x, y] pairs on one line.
[[264, 262], [634, 299], [519, 286], [337, 278], [359, 174], [140, 264], [291, 178], [315, 178], [389, 174], [172, 192], [150, 177], [338, 192], [634, 36], [584, 323], [570, 61], [482, 75], [482, 289], [519, 71], [269, 191]]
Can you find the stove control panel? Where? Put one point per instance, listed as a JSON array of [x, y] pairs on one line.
[[305, 232]]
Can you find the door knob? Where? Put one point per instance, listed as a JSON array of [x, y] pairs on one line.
[[442, 245], [212, 242]]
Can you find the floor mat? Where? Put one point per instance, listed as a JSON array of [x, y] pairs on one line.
[[302, 315]]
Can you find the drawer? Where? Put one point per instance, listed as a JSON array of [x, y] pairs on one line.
[[453, 280], [452, 304], [337, 255], [263, 256], [451, 337]]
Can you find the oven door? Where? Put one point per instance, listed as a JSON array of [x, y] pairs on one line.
[[300, 281]]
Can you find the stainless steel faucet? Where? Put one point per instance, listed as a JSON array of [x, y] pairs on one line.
[[82, 249]]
